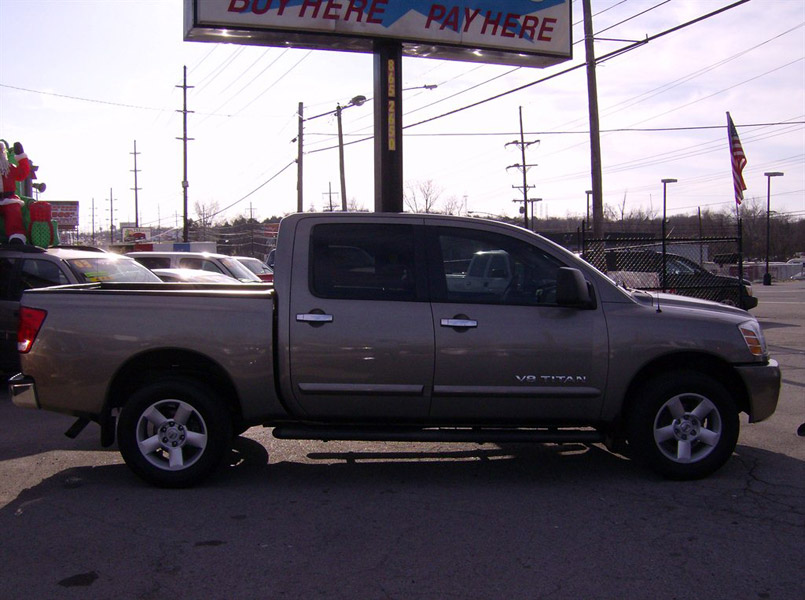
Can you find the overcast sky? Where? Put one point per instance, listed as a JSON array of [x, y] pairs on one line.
[[81, 80]]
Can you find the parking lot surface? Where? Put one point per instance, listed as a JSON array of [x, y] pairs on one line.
[[370, 520]]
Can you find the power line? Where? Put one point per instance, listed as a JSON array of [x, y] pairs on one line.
[[262, 185], [107, 102]]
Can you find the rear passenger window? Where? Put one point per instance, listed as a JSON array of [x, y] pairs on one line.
[[200, 264], [363, 261], [37, 273], [154, 262], [8, 291]]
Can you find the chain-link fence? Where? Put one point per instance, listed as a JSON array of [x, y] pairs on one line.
[[702, 267]]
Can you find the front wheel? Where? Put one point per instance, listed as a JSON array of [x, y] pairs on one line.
[[684, 425], [173, 432]]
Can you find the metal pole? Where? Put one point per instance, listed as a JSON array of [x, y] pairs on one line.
[[185, 184], [588, 192], [595, 137], [388, 126], [111, 218], [525, 178], [341, 159], [299, 178], [663, 275], [767, 275], [184, 139], [136, 189]]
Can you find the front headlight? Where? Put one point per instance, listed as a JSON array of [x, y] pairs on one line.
[[753, 336]]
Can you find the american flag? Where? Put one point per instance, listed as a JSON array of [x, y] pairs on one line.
[[738, 160]]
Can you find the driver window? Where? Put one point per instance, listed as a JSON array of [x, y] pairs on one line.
[[482, 268]]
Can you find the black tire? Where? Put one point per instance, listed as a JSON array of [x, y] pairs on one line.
[[173, 432], [683, 425]]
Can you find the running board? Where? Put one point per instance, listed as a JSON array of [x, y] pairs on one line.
[[435, 434]]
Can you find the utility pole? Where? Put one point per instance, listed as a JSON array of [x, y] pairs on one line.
[[111, 218], [341, 159], [329, 194], [93, 221], [185, 139], [135, 188], [522, 145], [595, 137], [299, 178]]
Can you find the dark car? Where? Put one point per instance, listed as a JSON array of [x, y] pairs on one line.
[[642, 269], [23, 267]]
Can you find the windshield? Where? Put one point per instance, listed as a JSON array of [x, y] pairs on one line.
[[110, 268], [256, 266], [238, 270]]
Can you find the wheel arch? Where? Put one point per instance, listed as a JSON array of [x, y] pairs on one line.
[[703, 363], [150, 366]]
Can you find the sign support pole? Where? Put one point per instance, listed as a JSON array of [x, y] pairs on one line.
[[388, 126]]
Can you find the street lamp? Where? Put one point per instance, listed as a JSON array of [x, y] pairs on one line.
[[429, 86], [356, 101], [665, 183], [767, 275]]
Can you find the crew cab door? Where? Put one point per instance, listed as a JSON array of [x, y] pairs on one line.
[[361, 330], [510, 353]]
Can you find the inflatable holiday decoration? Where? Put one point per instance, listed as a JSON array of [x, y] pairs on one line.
[[10, 203], [23, 219]]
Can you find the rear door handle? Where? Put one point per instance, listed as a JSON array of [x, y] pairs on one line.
[[314, 318], [459, 323]]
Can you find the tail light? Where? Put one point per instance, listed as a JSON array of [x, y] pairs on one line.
[[31, 320]]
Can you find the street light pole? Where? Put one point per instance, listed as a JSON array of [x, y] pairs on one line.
[[587, 223], [341, 159], [356, 101], [665, 183], [767, 275]]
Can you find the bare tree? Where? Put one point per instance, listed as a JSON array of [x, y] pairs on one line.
[[205, 213], [354, 206], [422, 196], [452, 206]]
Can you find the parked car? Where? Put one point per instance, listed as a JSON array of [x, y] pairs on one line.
[[192, 276], [204, 261], [642, 269], [24, 267], [258, 267]]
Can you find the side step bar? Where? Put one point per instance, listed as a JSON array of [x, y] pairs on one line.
[[436, 434]]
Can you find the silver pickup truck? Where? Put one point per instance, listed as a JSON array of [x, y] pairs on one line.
[[362, 338]]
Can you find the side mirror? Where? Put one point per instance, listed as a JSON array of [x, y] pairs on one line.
[[572, 289]]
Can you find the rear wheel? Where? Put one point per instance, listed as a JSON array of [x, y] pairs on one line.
[[173, 432], [684, 425]]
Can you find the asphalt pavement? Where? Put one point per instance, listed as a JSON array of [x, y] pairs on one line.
[[303, 520]]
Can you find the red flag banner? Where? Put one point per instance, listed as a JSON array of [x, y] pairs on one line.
[[738, 160]]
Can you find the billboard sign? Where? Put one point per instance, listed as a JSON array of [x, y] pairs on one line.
[[65, 213], [534, 33], [135, 234]]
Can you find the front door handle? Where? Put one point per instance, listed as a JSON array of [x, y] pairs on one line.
[[459, 322], [314, 318]]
